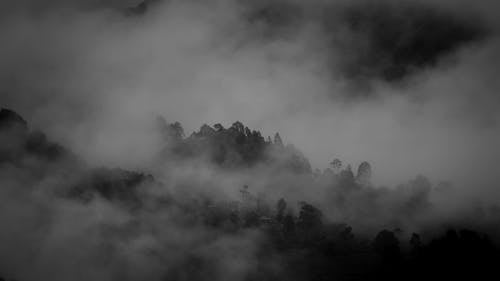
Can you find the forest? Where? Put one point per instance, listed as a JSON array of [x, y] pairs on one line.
[[266, 226], [261, 140]]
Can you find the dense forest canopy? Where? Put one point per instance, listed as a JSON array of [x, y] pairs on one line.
[[355, 230]]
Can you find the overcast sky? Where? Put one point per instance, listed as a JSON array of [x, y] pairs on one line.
[[94, 77]]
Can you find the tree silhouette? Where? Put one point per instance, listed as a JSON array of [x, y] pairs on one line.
[[280, 209], [336, 165], [277, 140], [386, 244], [364, 173]]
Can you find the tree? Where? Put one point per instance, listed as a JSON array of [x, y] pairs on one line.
[[238, 127], [248, 133], [206, 131], [10, 119], [218, 127], [310, 222], [415, 242], [251, 219], [386, 244], [346, 233], [172, 132], [336, 165], [246, 197], [346, 176], [364, 173], [176, 130], [289, 227], [277, 140], [280, 209]]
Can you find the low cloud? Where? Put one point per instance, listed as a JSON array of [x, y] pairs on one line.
[[95, 77]]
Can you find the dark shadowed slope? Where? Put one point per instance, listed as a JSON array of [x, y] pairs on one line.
[[274, 239]]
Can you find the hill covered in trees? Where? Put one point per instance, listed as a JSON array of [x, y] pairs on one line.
[[232, 148], [225, 204]]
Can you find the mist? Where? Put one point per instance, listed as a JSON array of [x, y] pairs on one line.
[[106, 76], [409, 86]]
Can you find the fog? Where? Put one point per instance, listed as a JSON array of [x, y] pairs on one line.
[[94, 79], [409, 86], [89, 77]]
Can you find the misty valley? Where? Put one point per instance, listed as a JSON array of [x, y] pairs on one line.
[[132, 225], [249, 140]]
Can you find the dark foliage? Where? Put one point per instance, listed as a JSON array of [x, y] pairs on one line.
[[116, 185], [297, 237], [10, 119], [232, 148], [19, 143]]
